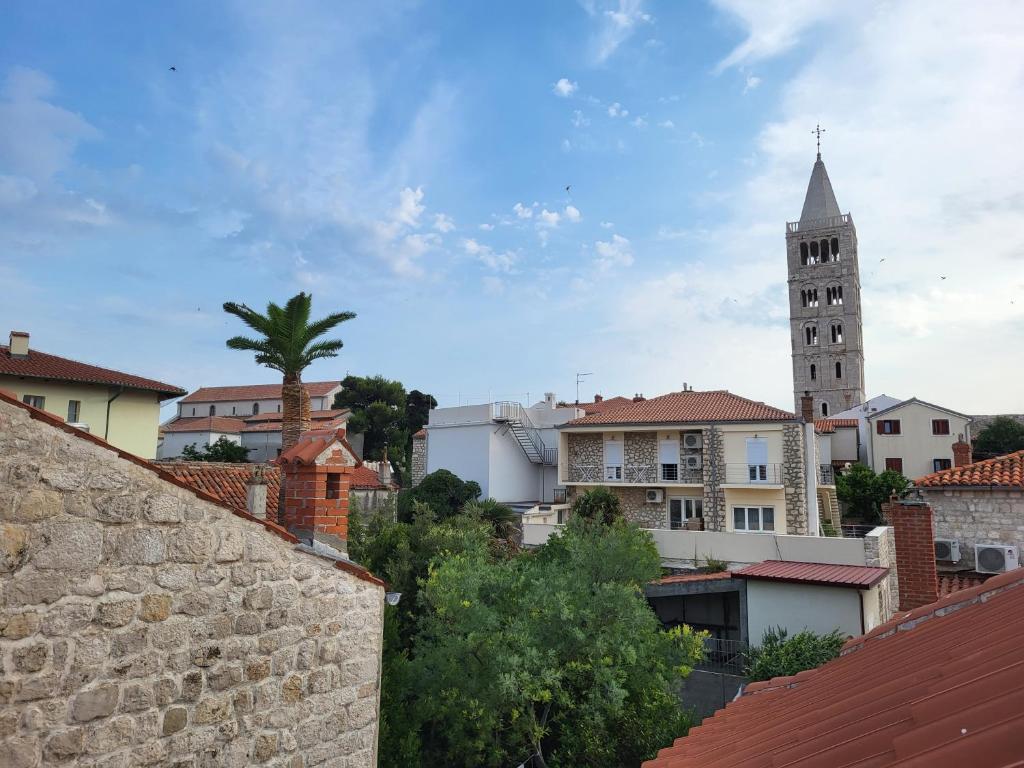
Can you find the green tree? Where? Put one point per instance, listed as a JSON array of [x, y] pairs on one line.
[[1002, 435], [555, 654], [864, 492], [503, 519], [443, 492], [417, 410], [780, 655], [287, 343], [221, 450], [598, 504]]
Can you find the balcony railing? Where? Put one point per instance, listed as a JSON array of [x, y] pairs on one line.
[[753, 474], [634, 474], [729, 656], [829, 221], [826, 474]]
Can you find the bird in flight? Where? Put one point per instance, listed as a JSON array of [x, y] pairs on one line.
[[568, 187], [172, 69], [880, 261], [942, 277]]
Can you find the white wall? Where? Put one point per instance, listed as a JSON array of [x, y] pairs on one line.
[[512, 476], [464, 451], [861, 413], [795, 607], [843, 444], [244, 407], [264, 446], [174, 442], [915, 444]]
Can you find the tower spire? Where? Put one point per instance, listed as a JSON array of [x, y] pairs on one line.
[[818, 130]]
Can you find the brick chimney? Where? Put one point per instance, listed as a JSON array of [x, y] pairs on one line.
[[807, 407], [317, 475], [961, 452], [914, 529], [598, 398], [639, 397], [19, 344], [256, 493]]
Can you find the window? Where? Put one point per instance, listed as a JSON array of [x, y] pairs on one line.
[[888, 427], [839, 370], [824, 251], [74, 410], [837, 333], [754, 519], [896, 465], [278, 407], [803, 254], [681, 510], [213, 410], [193, 411], [333, 485], [255, 408], [940, 426], [824, 409], [834, 295], [809, 297], [612, 460], [232, 410], [814, 252], [940, 464], [814, 372], [835, 249], [811, 335], [36, 401], [757, 459], [668, 459], [558, 496]]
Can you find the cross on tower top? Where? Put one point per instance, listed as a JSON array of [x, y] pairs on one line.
[[818, 130]]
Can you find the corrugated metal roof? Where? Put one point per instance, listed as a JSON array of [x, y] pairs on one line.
[[938, 687], [861, 576]]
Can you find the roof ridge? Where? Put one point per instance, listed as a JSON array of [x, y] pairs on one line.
[[168, 388]]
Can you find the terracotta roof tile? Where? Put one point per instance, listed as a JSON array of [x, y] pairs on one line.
[[40, 365], [1001, 472], [827, 426], [941, 686], [419, 434], [227, 481], [687, 408], [255, 392], [954, 582], [607, 404], [311, 444], [684, 578], [205, 424], [860, 576], [273, 421]]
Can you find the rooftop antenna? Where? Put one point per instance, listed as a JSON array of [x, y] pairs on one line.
[[818, 130], [579, 378]]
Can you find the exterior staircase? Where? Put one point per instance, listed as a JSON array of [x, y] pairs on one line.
[[828, 507], [516, 418]]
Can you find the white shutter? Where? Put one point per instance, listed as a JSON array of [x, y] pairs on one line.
[[613, 454], [668, 452], [757, 450]]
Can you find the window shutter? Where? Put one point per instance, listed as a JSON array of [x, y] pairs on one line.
[[668, 452], [879, 428], [757, 450], [613, 453]]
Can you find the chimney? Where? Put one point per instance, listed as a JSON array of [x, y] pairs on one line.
[[807, 407], [256, 493], [384, 470], [638, 398], [19, 344], [914, 530], [961, 452], [598, 398], [550, 400], [317, 475]]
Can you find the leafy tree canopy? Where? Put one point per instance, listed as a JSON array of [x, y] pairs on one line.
[[441, 491], [599, 504], [417, 410], [1004, 434], [781, 655], [864, 492], [222, 450]]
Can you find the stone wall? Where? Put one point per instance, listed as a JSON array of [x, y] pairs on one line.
[[636, 509], [714, 475], [793, 478], [977, 517], [143, 625], [640, 449], [880, 550], [419, 460]]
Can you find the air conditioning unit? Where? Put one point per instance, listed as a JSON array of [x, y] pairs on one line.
[[947, 549], [655, 495], [693, 440], [995, 558], [693, 462]]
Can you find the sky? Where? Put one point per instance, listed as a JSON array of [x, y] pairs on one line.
[[508, 194]]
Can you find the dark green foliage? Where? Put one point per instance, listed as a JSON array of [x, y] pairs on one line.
[[442, 491], [503, 519], [780, 655], [222, 450], [417, 410], [713, 565], [598, 504], [864, 492], [1004, 434]]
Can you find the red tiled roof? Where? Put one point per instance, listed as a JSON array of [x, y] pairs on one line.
[[273, 421], [939, 687], [607, 404], [255, 392], [827, 426], [311, 444], [39, 365], [1001, 472], [861, 576], [687, 408], [227, 481], [683, 578], [950, 583], [277, 415], [421, 433], [204, 424]]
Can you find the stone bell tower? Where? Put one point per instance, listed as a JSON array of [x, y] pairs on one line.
[[824, 301]]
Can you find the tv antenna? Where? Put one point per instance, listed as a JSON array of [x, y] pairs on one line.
[[579, 378]]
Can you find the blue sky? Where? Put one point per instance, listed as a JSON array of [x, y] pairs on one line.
[[409, 163]]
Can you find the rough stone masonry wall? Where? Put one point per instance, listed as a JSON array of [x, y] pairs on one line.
[[640, 449], [713, 462], [793, 482], [977, 517], [141, 625], [636, 509], [880, 550], [419, 460]]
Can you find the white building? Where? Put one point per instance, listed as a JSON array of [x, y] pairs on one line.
[[510, 450], [915, 438], [861, 413], [252, 399]]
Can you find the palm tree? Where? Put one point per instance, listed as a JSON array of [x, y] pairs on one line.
[[502, 518], [287, 345]]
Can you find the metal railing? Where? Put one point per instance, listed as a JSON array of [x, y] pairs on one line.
[[586, 473], [826, 474], [634, 474], [855, 531], [753, 474], [828, 221], [518, 419], [728, 656]]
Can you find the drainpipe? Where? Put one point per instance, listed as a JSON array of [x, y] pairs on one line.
[[810, 465], [106, 428]]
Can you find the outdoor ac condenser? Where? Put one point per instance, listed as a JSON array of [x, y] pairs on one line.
[[693, 462], [947, 550], [655, 495], [995, 558], [693, 440]]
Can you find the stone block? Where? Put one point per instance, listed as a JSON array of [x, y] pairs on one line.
[[141, 546], [100, 701], [20, 753], [163, 508], [211, 710], [115, 610], [265, 747], [291, 689], [13, 547], [175, 719], [30, 658], [165, 691], [35, 505], [17, 626], [69, 545], [231, 546], [117, 508], [192, 686], [137, 697], [247, 624], [190, 545], [64, 745], [176, 577], [155, 608]]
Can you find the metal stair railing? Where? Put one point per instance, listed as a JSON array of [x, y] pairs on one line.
[[528, 436]]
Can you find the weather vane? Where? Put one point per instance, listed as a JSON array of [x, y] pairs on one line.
[[818, 130]]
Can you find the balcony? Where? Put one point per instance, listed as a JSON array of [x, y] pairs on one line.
[[826, 475], [830, 221], [634, 474], [752, 474]]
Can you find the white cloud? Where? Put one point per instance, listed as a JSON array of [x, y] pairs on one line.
[[564, 88], [639, 122], [443, 222], [16, 189], [221, 224], [486, 227], [499, 262], [616, 23], [666, 124], [566, 145], [751, 83], [409, 206], [522, 211], [548, 218], [572, 214], [697, 139], [616, 110], [615, 253], [668, 99], [579, 120], [607, 225]]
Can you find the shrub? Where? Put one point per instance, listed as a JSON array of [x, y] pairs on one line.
[[781, 655], [598, 504], [442, 491]]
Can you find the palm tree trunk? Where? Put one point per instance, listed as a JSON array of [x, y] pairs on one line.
[[295, 404]]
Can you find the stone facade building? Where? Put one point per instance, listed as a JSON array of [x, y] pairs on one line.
[[145, 622], [824, 301]]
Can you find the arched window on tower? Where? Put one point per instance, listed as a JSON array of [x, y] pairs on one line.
[[811, 335], [824, 251], [803, 298], [835, 249], [213, 410], [824, 409], [837, 333], [255, 409], [814, 372], [803, 254], [834, 295], [839, 370], [814, 252]]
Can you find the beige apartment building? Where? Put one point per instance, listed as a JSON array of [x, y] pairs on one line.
[[915, 438]]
